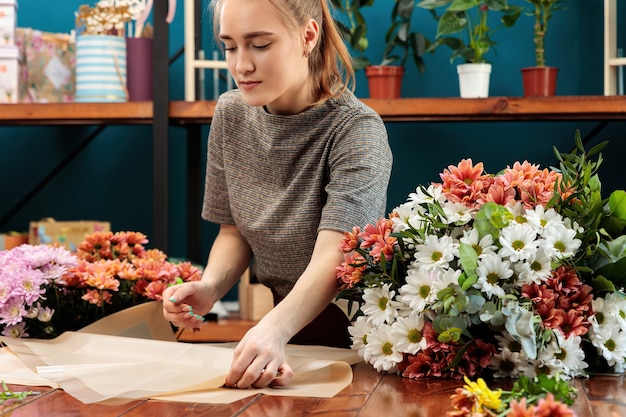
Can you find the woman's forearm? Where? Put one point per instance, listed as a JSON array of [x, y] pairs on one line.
[[229, 257], [313, 291]]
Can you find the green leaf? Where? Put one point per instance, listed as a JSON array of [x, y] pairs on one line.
[[451, 23], [492, 217], [617, 204]]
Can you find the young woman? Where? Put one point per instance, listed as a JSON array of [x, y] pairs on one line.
[[294, 160]]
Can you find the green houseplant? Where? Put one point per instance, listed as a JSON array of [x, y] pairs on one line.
[[463, 26], [401, 43], [540, 80]]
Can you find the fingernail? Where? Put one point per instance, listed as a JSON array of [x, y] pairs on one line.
[[173, 299]]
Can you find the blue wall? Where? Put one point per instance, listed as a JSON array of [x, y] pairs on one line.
[[111, 179]]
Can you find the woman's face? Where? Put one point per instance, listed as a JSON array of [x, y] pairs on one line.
[[265, 57]]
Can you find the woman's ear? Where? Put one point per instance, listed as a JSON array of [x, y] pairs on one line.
[[311, 35]]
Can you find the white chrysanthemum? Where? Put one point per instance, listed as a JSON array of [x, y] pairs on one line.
[[417, 292], [417, 220], [491, 271], [456, 213], [436, 252], [407, 333], [561, 242], [379, 305], [359, 334], [611, 341], [536, 269], [16, 331], [506, 364], [443, 279], [403, 213], [547, 356], [542, 219], [619, 302], [529, 367], [518, 242], [482, 246], [571, 354], [506, 341], [45, 314], [382, 353], [433, 193], [604, 312], [518, 211]]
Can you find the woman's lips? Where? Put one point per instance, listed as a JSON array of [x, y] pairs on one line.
[[248, 85]]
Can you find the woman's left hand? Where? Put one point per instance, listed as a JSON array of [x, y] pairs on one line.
[[259, 361]]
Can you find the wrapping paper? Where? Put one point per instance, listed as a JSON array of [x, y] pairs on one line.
[[108, 368]]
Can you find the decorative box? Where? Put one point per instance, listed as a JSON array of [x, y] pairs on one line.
[[8, 21], [66, 233], [255, 299], [12, 240], [8, 74], [47, 66]]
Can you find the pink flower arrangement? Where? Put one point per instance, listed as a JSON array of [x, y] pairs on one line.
[[46, 290]]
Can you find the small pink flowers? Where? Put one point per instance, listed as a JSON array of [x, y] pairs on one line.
[[524, 182], [25, 272], [46, 290]]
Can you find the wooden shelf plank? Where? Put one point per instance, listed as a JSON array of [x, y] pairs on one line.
[[457, 109], [399, 110], [76, 113]]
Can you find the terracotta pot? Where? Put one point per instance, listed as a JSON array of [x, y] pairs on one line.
[[384, 81], [539, 81]]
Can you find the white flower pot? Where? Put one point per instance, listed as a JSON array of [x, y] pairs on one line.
[[474, 80]]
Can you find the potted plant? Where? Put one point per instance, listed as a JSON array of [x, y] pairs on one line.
[[355, 29], [464, 27], [540, 80], [385, 79]]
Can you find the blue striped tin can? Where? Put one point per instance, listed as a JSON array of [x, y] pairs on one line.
[[100, 69]]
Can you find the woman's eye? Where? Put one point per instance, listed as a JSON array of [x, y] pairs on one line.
[[261, 46]]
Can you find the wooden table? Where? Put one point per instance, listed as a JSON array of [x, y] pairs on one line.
[[370, 394]]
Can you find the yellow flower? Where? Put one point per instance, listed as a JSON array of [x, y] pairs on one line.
[[485, 397]]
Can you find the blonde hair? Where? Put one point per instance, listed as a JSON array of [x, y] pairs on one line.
[[330, 64]]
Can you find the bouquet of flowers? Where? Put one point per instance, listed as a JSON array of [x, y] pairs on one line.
[[46, 290], [518, 273]]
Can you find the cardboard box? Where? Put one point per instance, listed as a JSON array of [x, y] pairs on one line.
[[9, 68], [66, 233], [47, 66], [255, 299], [8, 21]]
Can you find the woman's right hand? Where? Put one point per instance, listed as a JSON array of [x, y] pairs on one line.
[[185, 304]]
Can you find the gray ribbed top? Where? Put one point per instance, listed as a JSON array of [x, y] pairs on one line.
[[281, 179]]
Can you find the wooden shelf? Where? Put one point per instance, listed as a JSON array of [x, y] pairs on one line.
[[456, 109], [76, 113], [400, 110]]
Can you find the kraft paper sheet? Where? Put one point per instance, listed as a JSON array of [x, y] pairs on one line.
[[106, 368]]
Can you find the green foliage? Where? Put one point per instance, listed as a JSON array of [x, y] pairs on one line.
[[8, 395], [401, 43], [463, 26], [602, 221], [354, 30], [541, 10], [535, 388]]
